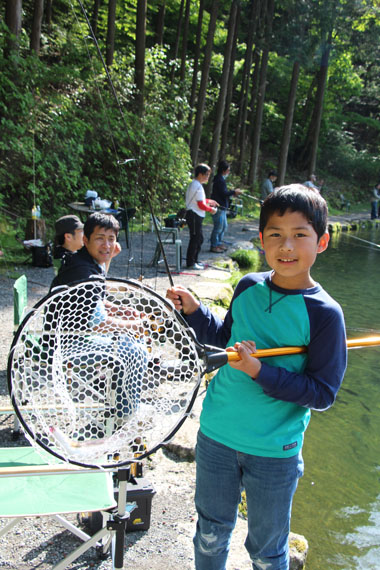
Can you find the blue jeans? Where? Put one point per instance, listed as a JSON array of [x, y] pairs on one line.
[[126, 358], [373, 210], [270, 483], [220, 226]]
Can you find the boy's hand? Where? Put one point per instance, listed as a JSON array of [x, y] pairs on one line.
[[248, 364], [183, 300]]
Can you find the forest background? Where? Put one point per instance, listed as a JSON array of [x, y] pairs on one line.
[[290, 85]]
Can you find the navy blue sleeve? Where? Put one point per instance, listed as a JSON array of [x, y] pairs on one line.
[[209, 328], [317, 386]]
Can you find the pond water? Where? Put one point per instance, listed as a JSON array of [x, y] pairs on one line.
[[337, 504]]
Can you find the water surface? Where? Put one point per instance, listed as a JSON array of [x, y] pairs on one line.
[[337, 504]]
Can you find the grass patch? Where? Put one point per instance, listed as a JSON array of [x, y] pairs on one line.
[[247, 259], [235, 278]]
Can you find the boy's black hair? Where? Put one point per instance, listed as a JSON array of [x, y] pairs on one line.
[[201, 169], [223, 165], [103, 220], [296, 198]]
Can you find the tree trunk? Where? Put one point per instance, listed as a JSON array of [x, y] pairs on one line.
[[254, 91], [95, 17], [223, 84], [243, 109], [308, 156], [197, 52], [184, 40], [230, 86], [318, 109], [35, 38], [49, 13], [286, 134], [110, 42], [204, 81], [246, 72], [160, 23], [140, 54], [13, 19], [261, 96], [176, 48]]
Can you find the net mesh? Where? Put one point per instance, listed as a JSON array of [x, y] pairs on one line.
[[102, 371]]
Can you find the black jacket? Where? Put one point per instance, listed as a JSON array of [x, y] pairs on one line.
[[77, 267], [220, 193]]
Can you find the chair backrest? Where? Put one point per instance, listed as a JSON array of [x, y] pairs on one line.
[[20, 299], [158, 222]]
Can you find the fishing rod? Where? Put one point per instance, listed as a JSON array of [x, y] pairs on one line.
[[364, 240], [284, 350], [244, 195]]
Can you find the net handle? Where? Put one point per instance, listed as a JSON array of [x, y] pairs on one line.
[[369, 341]]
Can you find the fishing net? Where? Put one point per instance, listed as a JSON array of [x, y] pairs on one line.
[[102, 371]]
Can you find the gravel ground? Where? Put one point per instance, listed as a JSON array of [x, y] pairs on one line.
[[40, 543]]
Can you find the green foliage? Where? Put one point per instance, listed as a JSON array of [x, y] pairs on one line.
[[247, 259], [11, 247], [62, 131], [235, 278], [338, 154]]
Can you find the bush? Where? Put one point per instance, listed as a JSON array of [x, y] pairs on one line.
[[247, 259]]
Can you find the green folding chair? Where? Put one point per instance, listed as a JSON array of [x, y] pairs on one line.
[[20, 300], [31, 486], [20, 304]]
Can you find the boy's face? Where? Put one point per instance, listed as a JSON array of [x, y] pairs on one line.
[[291, 246], [101, 244]]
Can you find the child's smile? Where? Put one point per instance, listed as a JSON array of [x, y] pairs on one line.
[[291, 246]]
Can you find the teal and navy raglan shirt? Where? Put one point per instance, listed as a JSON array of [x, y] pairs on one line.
[[268, 415]]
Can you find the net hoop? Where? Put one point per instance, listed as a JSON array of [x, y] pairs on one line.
[[102, 372]]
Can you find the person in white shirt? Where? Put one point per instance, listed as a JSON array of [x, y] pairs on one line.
[[196, 207]]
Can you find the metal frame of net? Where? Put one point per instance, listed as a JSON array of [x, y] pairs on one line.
[[103, 371]]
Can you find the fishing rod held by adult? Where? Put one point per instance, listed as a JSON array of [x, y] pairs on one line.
[[244, 195]]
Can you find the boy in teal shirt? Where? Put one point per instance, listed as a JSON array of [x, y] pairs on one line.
[[255, 412]]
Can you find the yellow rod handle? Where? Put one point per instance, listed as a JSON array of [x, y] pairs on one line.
[[283, 350]]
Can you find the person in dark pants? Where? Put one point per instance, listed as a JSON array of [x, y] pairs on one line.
[[197, 205], [115, 328], [222, 195]]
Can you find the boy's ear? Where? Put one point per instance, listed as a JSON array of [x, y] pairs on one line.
[[261, 239], [323, 242]]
